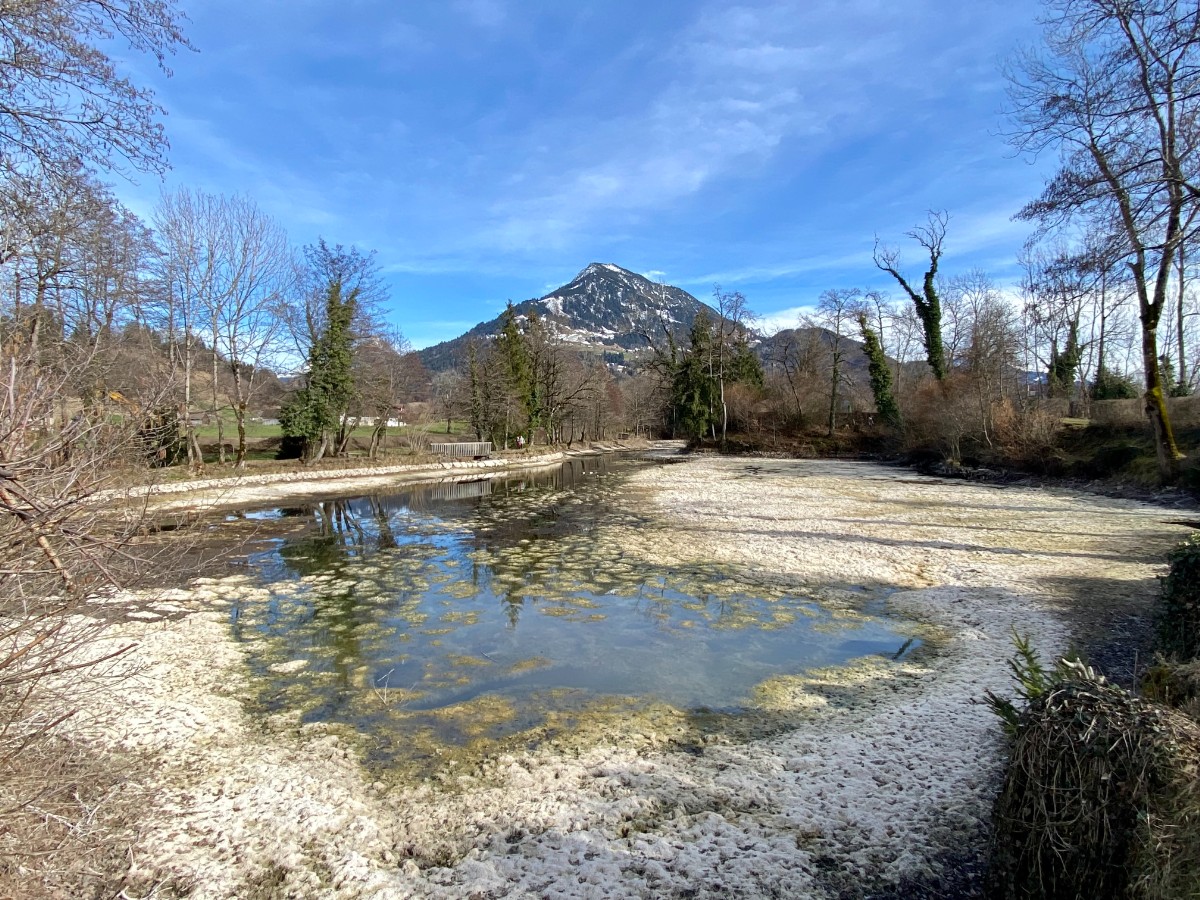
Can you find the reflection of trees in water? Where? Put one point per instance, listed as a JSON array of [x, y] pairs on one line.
[[512, 602], [499, 518], [338, 535], [386, 539]]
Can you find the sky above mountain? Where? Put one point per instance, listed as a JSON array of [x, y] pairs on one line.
[[490, 149]]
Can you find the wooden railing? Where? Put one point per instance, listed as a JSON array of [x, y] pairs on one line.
[[463, 449]]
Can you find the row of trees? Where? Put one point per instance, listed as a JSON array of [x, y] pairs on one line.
[[1115, 92], [527, 382], [211, 301]]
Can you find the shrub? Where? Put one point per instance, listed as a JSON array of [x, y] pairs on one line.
[[1101, 796], [1174, 684], [1111, 386], [1179, 611]]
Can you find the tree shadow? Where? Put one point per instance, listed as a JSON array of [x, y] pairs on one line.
[[1111, 621]]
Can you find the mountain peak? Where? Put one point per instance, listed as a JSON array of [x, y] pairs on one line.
[[605, 307], [598, 268]]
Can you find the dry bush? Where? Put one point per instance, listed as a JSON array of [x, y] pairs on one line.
[[1174, 684], [743, 402], [961, 419], [63, 540], [77, 815], [942, 416], [1101, 798], [1024, 433], [1179, 612]]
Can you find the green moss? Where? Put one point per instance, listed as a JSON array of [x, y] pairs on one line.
[[531, 664]]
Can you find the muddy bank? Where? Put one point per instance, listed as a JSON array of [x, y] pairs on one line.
[[884, 769]]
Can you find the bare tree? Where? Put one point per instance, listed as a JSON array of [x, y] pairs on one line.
[[733, 322], [645, 401], [795, 356], [449, 390], [837, 312], [1115, 92], [185, 268], [223, 261], [63, 100], [989, 357], [255, 276], [388, 375], [927, 303]]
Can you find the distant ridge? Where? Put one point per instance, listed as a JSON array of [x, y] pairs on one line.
[[603, 308]]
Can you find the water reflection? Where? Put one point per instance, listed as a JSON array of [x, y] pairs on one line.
[[475, 609]]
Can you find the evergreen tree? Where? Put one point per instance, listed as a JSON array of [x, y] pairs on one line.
[[880, 372], [315, 412], [1113, 386], [512, 347], [694, 389], [1064, 364], [700, 372], [744, 366]]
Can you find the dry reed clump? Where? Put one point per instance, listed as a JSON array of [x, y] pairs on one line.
[[69, 818], [1101, 798], [1176, 685]]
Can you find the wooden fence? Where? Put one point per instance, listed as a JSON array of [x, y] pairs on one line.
[[463, 449]]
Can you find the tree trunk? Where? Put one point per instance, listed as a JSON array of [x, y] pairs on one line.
[[239, 461], [321, 447], [1100, 349], [833, 393], [724, 413], [345, 433], [195, 455], [1156, 406], [1182, 370], [239, 415], [217, 403], [194, 451]]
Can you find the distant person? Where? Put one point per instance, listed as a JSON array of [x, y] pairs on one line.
[[520, 441]]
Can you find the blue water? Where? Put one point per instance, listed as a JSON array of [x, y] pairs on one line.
[[481, 608]]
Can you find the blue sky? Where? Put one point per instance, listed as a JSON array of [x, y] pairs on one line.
[[490, 149]]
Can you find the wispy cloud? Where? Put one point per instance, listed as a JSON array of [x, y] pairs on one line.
[[758, 145]]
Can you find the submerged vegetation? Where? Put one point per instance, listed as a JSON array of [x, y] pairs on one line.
[[461, 620]]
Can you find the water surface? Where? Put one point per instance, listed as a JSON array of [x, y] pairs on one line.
[[457, 612]]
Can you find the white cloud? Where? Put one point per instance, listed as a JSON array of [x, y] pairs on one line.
[[746, 84], [789, 317]]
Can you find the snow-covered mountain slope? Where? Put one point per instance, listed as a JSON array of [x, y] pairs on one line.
[[604, 307]]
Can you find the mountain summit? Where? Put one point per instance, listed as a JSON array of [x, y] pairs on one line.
[[604, 307]]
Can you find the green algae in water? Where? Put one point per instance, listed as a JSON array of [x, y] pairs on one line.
[[413, 614]]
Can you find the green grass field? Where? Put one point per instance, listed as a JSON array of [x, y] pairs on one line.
[[257, 431], [262, 440]]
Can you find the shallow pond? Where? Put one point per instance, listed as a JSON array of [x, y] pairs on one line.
[[451, 613]]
